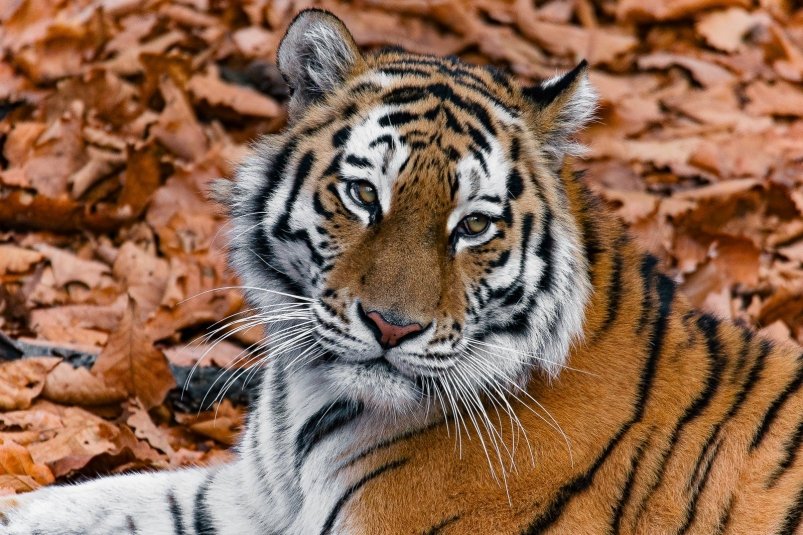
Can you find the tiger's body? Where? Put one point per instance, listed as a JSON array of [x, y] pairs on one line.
[[489, 352]]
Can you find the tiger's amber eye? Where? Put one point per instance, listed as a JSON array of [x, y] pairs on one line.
[[475, 224], [364, 193]]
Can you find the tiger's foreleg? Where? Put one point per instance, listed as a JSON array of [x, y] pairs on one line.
[[196, 501]]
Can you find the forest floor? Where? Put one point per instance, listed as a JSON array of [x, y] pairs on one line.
[[114, 115]]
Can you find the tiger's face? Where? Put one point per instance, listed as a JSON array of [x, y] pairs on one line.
[[410, 224]]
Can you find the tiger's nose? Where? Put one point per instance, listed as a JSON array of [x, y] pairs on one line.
[[388, 334]]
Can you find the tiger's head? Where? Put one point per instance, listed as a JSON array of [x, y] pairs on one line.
[[410, 228]]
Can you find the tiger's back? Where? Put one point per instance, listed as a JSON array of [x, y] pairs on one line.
[[465, 341]]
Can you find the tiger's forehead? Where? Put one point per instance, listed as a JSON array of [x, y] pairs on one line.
[[423, 113]]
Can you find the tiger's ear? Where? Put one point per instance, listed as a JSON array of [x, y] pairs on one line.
[[563, 105], [316, 56]]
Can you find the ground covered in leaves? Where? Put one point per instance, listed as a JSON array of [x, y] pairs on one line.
[[114, 115]]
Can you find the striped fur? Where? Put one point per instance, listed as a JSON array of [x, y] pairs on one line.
[[558, 383]]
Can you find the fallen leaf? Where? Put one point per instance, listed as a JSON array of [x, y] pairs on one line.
[[177, 127], [639, 10], [130, 361], [15, 259], [144, 275], [144, 428], [68, 267], [725, 29], [209, 88], [70, 385], [706, 73], [22, 380], [19, 472], [780, 98]]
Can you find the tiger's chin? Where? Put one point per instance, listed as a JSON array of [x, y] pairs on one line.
[[376, 383]]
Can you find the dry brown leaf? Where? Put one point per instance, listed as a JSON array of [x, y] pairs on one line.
[[660, 153], [725, 29], [101, 164], [130, 361], [23, 380], [790, 68], [633, 205], [718, 105], [68, 267], [144, 275], [719, 190], [222, 424], [642, 10], [597, 45], [140, 421], [67, 437], [177, 128], [780, 98], [70, 385], [78, 324], [793, 252], [15, 259], [255, 42], [707, 73], [45, 160], [221, 353], [18, 471], [243, 100]]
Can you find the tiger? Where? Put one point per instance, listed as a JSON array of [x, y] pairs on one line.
[[462, 338]]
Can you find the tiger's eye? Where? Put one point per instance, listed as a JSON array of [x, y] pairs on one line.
[[475, 224], [364, 193]]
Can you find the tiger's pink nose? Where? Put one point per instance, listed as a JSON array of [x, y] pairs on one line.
[[390, 334]]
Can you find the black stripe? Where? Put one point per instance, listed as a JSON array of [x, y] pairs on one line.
[[648, 263], [708, 325], [203, 523], [545, 250], [282, 228], [627, 488], [275, 176], [793, 515], [455, 72], [397, 118], [384, 139], [332, 517], [592, 246], [451, 121], [666, 295], [359, 161], [323, 423], [131, 525], [175, 513], [515, 185], [775, 406], [341, 136], [791, 450], [319, 208], [725, 517], [697, 490], [515, 149], [504, 292], [481, 141], [747, 339], [614, 285], [386, 444], [438, 528], [405, 95]]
